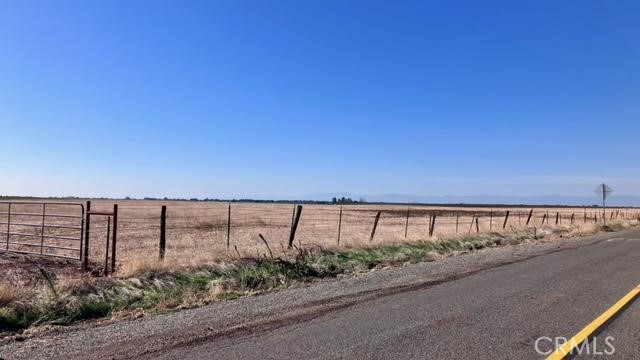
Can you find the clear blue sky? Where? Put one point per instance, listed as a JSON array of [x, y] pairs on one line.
[[290, 98]]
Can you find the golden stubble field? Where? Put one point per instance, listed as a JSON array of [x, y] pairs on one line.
[[197, 230]]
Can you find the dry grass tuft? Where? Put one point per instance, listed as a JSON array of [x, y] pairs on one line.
[[142, 265], [8, 294]]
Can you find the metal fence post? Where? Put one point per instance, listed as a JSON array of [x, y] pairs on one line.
[[114, 238], [106, 253], [339, 225], [87, 224], [229, 226]]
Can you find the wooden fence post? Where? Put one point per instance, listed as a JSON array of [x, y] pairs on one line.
[[433, 225], [557, 217], [544, 217], [477, 226], [529, 218], [506, 218], [473, 217], [294, 226], [573, 217], [406, 224], [163, 231], [375, 226], [339, 225]]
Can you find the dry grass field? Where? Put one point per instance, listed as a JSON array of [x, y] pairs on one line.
[[197, 231], [199, 267]]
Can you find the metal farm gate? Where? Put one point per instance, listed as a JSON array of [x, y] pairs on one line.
[[56, 229], [43, 228]]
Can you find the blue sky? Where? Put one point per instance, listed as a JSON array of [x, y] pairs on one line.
[[290, 98]]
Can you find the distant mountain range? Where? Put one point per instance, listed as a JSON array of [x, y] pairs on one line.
[[614, 200]]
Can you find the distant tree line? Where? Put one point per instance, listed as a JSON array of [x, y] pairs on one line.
[[345, 200], [335, 200]]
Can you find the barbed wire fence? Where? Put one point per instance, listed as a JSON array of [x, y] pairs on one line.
[[219, 231]]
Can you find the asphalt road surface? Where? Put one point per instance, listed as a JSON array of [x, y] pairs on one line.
[[493, 304]]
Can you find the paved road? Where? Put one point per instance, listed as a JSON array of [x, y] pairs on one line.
[[623, 333], [495, 314], [491, 304]]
